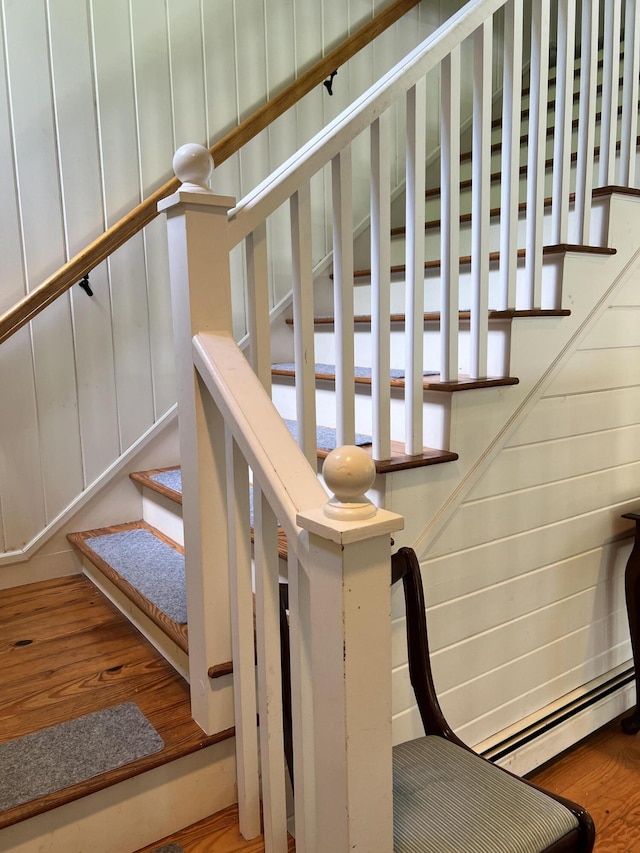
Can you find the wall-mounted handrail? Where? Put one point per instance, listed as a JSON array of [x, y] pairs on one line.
[[77, 267]]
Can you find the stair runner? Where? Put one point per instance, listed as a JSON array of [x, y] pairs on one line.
[[147, 566]]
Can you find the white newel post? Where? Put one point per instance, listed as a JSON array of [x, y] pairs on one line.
[[201, 301], [350, 632]]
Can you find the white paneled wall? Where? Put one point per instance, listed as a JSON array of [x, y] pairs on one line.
[[95, 96], [525, 585]]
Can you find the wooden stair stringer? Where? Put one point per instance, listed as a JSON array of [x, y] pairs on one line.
[[538, 352]]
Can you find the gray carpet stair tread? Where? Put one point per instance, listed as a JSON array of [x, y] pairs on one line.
[[72, 752], [154, 568]]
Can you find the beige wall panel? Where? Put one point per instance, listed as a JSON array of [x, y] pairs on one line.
[[160, 316], [221, 87], [618, 327], [188, 90], [465, 571], [494, 518], [551, 461], [23, 508], [127, 274], [95, 376], [84, 221], [629, 294], [565, 416], [509, 604], [594, 370], [131, 341], [33, 120], [159, 66], [154, 101], [12, 283], [528, 691], [497, 653]]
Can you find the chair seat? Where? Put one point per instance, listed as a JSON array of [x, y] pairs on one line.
[[446, 798]]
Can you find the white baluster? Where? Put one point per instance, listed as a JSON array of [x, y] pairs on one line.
[[380, 286], [414, 299], [586, 119], [564, 115], [258, 304], [629, 133], [241, 605], [450, 215], [343, 295], [610, 76], [302, 271], [481, 179], [272, 763], [511, 105], [539, 77]]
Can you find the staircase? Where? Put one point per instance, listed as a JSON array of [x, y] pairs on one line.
[[139, 564]]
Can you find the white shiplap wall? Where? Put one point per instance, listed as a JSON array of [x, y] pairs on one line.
[[95, 96], [525, 585]]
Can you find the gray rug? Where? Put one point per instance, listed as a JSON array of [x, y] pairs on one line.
[[60, 756], [169, 479], [154, 568], [171, 847]]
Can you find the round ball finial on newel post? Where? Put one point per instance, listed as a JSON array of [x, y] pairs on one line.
[[193, 166], [349, 472]]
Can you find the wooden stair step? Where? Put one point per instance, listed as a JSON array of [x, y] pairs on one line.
[[435, 316], [494, 257], [175, 630], [66, 652], [433, 383]]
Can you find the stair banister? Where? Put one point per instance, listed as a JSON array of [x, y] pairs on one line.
[[117, 235], [340, 607]]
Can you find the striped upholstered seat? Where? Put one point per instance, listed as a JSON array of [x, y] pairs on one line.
[[447, 799]]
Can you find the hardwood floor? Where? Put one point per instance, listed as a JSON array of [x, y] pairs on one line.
[[65, 651], [602, 773], [216, 834]]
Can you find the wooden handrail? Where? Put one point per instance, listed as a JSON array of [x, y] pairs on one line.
[[82, 263]]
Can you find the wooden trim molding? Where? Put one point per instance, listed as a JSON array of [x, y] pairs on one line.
[[100, 249]]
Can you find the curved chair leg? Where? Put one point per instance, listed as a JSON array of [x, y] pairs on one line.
[[631, 724]]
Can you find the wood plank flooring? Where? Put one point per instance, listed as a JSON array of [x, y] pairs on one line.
[[602, 773], [66, 651], [216, 834]]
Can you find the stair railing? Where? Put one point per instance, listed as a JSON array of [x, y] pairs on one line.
[[234, 444], [237, 429], [430, 83], [76, 268]]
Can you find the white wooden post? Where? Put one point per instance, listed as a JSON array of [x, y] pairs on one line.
[[350, 624], [201, 300]]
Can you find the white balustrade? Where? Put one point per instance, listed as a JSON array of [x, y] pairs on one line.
[[339, 548]]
